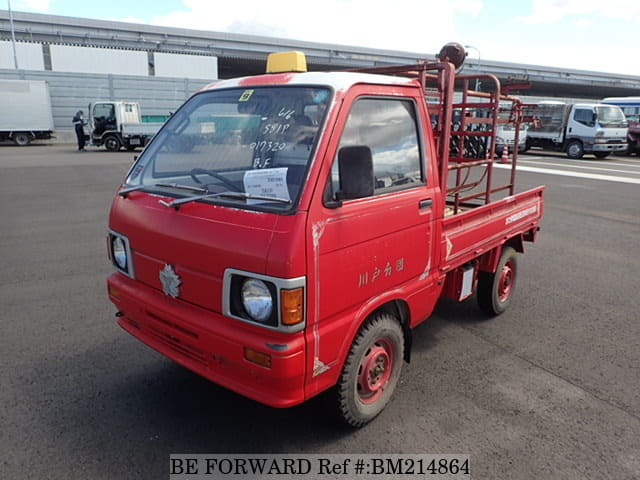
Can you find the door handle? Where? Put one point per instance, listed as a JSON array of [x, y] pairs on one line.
[[428, 203]]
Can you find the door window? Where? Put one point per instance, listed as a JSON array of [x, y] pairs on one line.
[[585, 117], [389, 128]]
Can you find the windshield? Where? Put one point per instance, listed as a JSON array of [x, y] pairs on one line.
[[611, 116], [245, 147]]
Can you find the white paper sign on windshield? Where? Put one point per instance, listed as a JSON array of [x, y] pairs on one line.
[[269, 182]]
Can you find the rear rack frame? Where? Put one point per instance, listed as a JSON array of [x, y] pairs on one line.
[[461, 118]]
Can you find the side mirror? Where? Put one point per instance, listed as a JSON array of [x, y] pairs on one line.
[[355, 168]]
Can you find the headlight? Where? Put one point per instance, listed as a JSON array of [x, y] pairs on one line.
[[271, 302], [119, 251], [257, 299]]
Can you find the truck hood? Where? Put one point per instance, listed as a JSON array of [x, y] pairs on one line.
[[617, 133], [199, 242]]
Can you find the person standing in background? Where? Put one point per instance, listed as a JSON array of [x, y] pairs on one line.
[[79, 123]]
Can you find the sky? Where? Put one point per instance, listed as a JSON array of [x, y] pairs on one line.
[[595, 35]]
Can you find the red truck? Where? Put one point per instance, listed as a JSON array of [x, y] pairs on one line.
[[284, 233]]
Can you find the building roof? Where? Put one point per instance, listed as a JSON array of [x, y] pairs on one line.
[[240, 54]]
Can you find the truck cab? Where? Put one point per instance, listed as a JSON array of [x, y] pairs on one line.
[[506, 138], [283, 234], [117, 124]]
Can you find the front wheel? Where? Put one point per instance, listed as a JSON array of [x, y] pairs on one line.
[[575, 149], [371, 371], [112, 143], [496, 289]]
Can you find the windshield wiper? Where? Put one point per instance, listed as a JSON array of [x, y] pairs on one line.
[[181, 201], [251, 196], [182, 187], [126, 191]]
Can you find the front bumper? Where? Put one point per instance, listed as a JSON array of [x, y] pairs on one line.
[[500, 147], [609, 147], [213, 345]]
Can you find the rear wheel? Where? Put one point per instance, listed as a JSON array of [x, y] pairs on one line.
[[112, 143], [371, 371], [22, 139], [495, 289]]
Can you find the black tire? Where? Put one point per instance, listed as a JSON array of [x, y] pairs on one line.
[[22, 139], [372, 370], [112, 143], [575, 149], [601, 154], [496, 289]]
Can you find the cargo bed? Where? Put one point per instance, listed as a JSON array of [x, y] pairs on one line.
[[471, 233]]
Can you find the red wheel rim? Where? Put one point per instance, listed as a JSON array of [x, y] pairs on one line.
[[375, 371], [507, 277]]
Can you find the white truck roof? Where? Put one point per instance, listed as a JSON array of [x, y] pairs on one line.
[[337, 80]]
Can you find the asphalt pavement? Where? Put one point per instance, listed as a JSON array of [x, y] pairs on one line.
[[548, 390]]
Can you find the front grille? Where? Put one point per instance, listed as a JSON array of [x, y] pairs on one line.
[[175, 326], [174, 342]]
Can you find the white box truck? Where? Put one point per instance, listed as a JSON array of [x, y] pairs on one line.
[[119, 124], [25, 111], [577, 128]]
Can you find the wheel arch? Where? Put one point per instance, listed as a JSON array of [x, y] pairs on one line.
[[395, 306], [570, 139], [399, 309], [489, 261]]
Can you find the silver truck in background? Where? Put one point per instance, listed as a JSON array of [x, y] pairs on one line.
[[25, 111], [576, 128], [506, 137], [119, 125]]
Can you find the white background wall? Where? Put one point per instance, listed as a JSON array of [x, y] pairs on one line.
[[81, 59], [179, 66], [98, 60], [29, 55]]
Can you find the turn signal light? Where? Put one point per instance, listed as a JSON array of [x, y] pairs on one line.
[[114, 292], [259, 358], [292, 306]]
